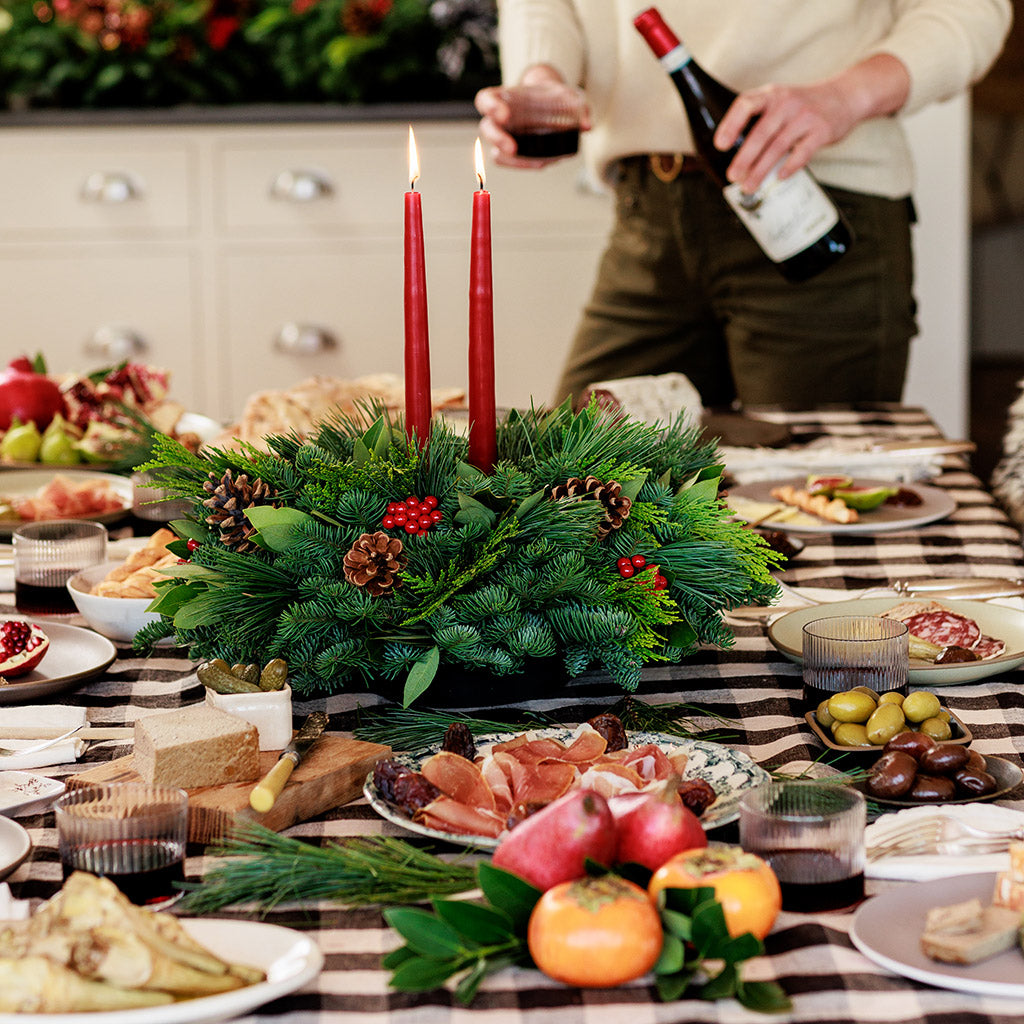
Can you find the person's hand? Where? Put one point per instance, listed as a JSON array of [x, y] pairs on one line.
[[795, 121], [495, 113]]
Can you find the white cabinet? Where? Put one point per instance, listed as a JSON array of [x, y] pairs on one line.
[[247, 256]]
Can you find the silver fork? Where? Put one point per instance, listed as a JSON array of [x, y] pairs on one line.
[[11, 751], [977, 587], [940, 834]]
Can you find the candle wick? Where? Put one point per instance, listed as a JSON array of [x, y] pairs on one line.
[[480, 181]]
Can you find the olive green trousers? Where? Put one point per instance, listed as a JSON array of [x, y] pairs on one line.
[[682, 287]]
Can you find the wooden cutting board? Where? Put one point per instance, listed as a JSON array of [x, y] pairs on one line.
[[332, 774]]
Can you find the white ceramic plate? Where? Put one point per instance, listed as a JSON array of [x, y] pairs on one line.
[[1006, 624], [887, 929], [727, 771], [75, 655], [14, 846], [26, 482], [935, 504], [27, 793], [289, 958]]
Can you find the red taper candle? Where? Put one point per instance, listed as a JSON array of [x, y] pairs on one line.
[[482, 413], [417, 343]]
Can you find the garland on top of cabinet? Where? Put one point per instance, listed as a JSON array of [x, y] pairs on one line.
[[366, 562]]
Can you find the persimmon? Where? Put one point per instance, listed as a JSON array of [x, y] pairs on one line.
[[744, 884], [595, 932]]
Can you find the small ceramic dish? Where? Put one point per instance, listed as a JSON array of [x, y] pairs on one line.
[[269, 710], [961, 734], [117, 618], [27, 793]]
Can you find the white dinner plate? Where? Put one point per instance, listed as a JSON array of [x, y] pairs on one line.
[[27, 793], [935, 504], [887, 929], [23, 483], [75, 655], [727, 771], [289, 958], [14, 846], [1006, 624]]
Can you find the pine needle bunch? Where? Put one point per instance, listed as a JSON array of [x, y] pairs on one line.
[[516, 566]]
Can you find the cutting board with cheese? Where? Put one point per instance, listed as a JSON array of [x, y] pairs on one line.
[[331, 774]]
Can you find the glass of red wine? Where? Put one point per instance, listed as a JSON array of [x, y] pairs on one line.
[[131, 833], [544, 119], [46, 554], [811, 832]]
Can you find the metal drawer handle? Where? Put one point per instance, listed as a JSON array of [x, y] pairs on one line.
[[301, 186], [111, 187], [115, 343], [297, 339]]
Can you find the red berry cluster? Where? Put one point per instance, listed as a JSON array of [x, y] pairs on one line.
[[412, 515], [631, 566]]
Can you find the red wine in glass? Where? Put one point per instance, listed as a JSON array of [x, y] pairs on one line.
[[145, 870]]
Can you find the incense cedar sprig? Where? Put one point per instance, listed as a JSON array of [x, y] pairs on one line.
[[265, 869]]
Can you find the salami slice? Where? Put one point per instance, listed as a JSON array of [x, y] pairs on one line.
[[989, 647], [945, 628]]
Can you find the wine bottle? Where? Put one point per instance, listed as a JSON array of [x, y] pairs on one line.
[[794, 221]]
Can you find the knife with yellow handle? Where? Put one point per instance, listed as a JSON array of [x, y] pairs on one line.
[[268, 789]]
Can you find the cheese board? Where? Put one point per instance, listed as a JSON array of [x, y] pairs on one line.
[[331, 775]]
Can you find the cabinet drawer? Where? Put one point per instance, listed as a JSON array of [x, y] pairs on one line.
[[60, 301], [76, 186]]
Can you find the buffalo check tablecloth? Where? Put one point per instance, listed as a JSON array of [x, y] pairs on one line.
[[750, 683]]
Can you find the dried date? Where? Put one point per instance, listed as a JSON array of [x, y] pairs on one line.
[[697, 795], [414, 791], [459, 740], [611, 728]]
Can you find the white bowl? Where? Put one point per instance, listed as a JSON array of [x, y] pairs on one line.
[[118, 618], [269, 710]]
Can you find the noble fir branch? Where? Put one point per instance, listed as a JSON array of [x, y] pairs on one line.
[[265, 869], [175, 468]]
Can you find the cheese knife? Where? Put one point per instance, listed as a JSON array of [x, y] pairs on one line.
[[268, 789]]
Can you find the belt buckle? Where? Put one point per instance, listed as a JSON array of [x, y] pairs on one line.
[[666, 166]]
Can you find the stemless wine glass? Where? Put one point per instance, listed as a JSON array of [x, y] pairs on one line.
[[845, 651], [544, 119], [811, 832], [132, 833], [46, 555]]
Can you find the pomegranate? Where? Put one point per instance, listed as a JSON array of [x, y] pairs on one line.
[[654, 825], [22, 646], [27, 395]]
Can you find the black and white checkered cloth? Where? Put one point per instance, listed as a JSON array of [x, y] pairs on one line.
[[810, 955]]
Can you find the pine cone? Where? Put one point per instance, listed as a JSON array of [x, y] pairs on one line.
[[229, 498], [616, 505], [373, 562]]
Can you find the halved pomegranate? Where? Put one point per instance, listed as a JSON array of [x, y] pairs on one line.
[[22, 646]]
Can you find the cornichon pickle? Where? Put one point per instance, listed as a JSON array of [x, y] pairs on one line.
[[219, 678], [274, 674], [250, 673]]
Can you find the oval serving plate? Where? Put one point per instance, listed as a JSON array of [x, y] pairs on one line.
[[1006, 624], [24, 483], [1008, 777], [727, 771]]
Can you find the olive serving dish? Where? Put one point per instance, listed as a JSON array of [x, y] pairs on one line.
[[960, 734]]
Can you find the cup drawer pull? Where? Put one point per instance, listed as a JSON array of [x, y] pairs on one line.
[[301, 186], [111, 187], [114, 343], [297, 339]]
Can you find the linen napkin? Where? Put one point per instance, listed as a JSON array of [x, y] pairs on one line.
[[10, 908], [922, 868], [54, 718]]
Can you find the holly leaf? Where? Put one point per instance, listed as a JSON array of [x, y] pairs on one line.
[[420, 676], [480, 924], [188, 530], [509, 893], [425, 933]]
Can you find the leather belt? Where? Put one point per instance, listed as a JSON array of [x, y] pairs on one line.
[[668, 166]]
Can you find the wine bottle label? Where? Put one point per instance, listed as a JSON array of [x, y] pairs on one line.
[[785, 217], [676, 58]]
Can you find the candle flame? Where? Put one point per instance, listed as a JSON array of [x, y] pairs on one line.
[[479, 155], [414, 160]]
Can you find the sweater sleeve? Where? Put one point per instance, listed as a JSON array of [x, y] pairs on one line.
[[946, 45], [540, 32]]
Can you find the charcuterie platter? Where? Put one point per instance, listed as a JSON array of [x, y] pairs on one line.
[[998, 622]]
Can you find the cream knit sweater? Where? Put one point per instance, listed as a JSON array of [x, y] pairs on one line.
[[945, 45]]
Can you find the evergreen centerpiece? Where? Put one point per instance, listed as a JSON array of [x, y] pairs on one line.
[[364, 561]]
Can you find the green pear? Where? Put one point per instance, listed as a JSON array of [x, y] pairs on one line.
[[21, 443], [58, 443]]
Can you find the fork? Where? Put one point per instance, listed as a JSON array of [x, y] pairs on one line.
[[940, 834], [11, 751], [970, 586]]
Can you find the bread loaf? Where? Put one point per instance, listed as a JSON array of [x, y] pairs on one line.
[[196, 746]]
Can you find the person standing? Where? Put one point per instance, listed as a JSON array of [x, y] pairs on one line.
[[682, 286]]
